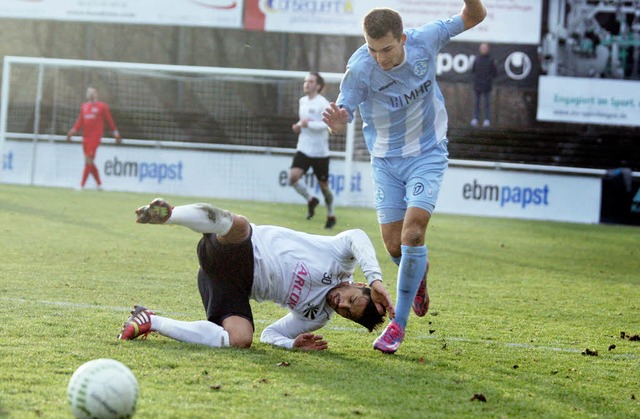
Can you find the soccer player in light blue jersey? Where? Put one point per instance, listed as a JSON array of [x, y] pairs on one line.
[[391, 79]]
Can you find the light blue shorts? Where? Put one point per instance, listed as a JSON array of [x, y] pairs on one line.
[[403, 182]]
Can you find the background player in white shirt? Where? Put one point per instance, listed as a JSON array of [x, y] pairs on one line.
[[313, 147], [310, 275], [391, 79]]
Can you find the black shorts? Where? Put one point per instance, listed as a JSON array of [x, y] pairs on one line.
[[225, 278], [320, 165]]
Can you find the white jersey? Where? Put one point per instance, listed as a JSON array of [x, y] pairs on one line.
[[313, 140], [296, 270]]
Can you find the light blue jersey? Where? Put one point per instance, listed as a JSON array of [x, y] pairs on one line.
[[402, 109]]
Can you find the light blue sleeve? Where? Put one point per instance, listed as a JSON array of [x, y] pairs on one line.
[[351, 94], [353, 87], [439, 32]]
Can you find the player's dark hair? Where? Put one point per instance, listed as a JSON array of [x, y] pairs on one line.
[[371, 318], [319, 80], [379, 21]]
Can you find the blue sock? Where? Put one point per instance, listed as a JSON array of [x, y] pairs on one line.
[[410, 273]]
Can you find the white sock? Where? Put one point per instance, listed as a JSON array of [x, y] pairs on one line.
[[202, 218], [301, 188], [202, 332]]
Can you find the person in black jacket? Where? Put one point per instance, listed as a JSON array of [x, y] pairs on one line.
[[484, 71]]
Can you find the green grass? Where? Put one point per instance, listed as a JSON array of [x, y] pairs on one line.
[[514, 303]]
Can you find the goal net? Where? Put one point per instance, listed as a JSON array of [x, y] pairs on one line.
[[248, 108]]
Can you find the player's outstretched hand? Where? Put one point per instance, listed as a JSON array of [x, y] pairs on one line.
[[336, 118], [380, 296], [310, 342], [157, 212]]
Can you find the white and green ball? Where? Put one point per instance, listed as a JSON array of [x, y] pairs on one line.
[[103, 388]]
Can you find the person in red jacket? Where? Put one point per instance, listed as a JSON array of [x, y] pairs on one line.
[[93, 115]]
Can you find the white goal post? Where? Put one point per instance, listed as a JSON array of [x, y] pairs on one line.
[[166, 106]]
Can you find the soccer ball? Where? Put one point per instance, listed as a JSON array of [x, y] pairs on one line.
[[103, 388]]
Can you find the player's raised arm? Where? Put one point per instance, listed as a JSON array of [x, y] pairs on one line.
[[473, 12], [360, 246]]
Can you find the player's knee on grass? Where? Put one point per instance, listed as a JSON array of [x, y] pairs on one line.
[[240, 331]]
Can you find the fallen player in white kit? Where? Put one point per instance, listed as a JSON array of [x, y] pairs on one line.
[[310, 275]]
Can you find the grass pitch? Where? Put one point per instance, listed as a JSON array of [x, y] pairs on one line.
[[527, 318]]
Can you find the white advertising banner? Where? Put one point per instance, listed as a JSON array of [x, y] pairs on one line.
[[589, 100], [253, 177], [514, 194], [208, 13], [258, 177], [508, 21]]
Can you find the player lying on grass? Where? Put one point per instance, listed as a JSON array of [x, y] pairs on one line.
[[310, 275]]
